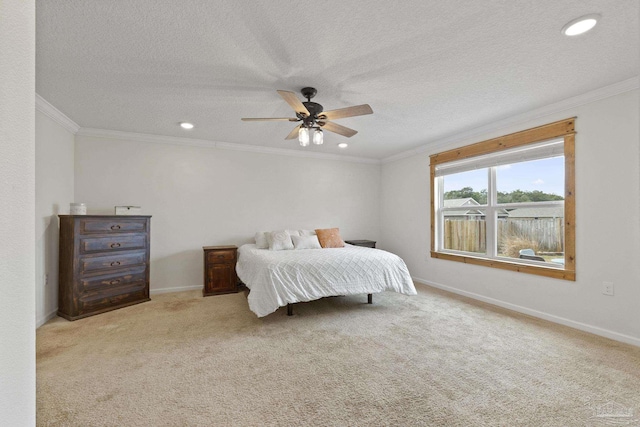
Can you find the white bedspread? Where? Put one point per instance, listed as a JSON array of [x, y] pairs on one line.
[[277, 278]]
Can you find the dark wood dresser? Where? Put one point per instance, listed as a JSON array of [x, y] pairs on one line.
[[220, 270], [104, 263]]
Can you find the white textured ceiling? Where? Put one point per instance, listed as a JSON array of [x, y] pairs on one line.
[[428, 68]]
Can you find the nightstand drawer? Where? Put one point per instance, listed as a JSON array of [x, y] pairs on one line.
[[95, 244], [112, 225], [221, 256]]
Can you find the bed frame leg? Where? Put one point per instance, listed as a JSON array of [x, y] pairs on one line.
[[369, 298], [289, 310]]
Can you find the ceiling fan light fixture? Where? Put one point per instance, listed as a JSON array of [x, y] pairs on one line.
[[314, 118], [303, 136], [580, 25], [318, 138]]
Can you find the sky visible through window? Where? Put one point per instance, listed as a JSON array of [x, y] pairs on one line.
[[546, 175]]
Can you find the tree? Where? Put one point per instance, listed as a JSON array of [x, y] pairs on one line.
[[515, 196]]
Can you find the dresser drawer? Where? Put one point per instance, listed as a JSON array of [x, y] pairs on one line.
[[111, 299], [221, 256], [97, 283], [112, 243], [111, 262], [112, 225]]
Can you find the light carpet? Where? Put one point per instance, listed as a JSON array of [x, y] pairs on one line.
[[434, 359]]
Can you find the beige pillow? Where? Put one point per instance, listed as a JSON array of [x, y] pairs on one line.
[[330, 238]]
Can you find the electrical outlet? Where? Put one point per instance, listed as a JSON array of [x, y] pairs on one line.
[[607, 288], [46, 279]]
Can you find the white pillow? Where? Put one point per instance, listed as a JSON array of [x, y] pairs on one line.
[[308, 233], [306, 242], [261, 240], [279, 240], [294, 233]]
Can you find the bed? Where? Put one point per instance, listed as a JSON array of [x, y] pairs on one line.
[[281, 278]]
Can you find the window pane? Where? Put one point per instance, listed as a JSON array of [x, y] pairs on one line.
[[532, 232], [465, 230], [515, 177], [466, 185], [532, 181]]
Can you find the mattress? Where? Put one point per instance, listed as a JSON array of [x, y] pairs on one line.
[[277, 278]]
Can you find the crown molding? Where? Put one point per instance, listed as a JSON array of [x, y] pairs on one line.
[[558, 107], [144, 137], [160, 139], [56, 115]]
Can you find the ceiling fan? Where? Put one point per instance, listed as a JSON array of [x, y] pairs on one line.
[[314, 118]]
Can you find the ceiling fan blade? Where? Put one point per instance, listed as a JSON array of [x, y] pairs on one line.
[[292, 99], [358, 110], [294, 132], [339, 129], [253, 119]]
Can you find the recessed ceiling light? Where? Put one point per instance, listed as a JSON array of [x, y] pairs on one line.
[[186, 125], [580, 25], [343, 145]]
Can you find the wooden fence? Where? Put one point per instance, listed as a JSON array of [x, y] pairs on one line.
[[470, 235], [465, 235]]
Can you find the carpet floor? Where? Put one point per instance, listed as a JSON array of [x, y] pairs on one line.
[[434, 359]]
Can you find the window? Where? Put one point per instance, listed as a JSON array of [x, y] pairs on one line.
[[508, 202]]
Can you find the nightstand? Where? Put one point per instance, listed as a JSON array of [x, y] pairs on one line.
[[220, 270], [364, 243]]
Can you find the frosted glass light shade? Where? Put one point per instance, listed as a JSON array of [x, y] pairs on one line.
[[303, 136], [318, 137]]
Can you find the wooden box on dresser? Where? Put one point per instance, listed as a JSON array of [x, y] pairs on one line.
[[220, 270], [104, 263]]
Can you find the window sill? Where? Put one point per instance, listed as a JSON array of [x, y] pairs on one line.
[[556, 273]]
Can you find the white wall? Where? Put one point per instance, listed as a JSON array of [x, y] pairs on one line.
[[200, 196], [607, 227], [54, 192], [17, 253]]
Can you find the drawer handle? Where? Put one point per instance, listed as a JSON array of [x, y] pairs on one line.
[[220, 256], [114, 282], [115, 227], [115, 245], [115, 263]]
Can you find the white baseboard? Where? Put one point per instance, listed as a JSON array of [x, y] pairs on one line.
[[535, 313], [45, 319], [179, 289]]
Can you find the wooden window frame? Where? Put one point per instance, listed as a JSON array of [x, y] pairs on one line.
[[561, 129]]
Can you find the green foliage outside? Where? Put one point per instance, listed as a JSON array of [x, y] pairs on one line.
[[516, 196]]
